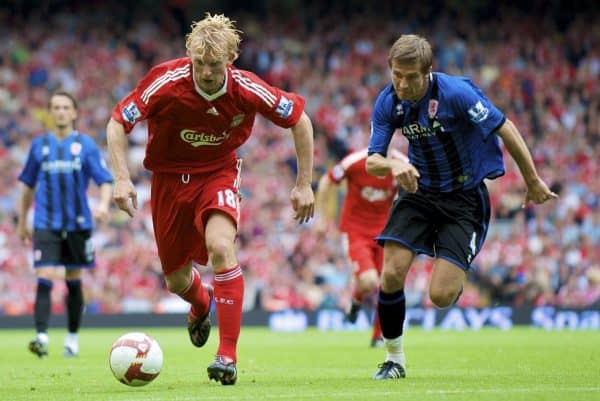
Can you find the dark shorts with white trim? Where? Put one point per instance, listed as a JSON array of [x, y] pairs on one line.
[[446, 225], [71, 249]]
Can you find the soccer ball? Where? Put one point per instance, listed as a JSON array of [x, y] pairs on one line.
[[135, 359]]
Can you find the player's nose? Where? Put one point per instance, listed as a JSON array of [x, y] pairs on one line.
[[206, 71]]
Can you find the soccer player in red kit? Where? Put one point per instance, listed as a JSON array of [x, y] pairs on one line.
[[200, 109], [363, 215]]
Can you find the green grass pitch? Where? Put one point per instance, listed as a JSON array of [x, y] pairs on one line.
[[520, 364]]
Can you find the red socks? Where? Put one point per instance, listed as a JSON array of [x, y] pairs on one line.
[[376, 327], [229, 295], [359, 298], [197, 295]]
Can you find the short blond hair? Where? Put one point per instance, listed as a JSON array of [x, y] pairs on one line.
[[409, 49], [215, 35]]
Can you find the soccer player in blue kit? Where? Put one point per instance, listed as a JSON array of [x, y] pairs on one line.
[[453, 131], [56, 175]]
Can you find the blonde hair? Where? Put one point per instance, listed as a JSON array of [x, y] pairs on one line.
[[215, 35], [409, 49]]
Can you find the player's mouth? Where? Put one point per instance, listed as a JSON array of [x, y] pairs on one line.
[[402, 94]]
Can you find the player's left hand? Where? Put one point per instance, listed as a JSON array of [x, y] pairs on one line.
[[538, 193], [303, 203]]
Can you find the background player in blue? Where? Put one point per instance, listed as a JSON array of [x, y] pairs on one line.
[[56, 175], [453, 131]]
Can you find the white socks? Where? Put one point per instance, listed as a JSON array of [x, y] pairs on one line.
[[72, 343], [395, 350], [42, 337], [71, 338]]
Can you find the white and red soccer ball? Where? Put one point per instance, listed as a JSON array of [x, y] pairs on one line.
[[135, 359]]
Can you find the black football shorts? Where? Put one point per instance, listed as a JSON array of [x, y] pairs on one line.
[[450, 226], [72, 249]]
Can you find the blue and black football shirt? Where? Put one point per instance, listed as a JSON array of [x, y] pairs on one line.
[[450, 133], [60, 170]]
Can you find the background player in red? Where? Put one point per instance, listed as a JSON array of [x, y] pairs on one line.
[[200, 109], [363, 215]]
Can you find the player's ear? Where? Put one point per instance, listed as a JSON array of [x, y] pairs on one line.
[[232, 57]]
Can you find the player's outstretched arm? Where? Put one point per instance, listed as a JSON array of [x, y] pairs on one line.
[[325, 191], [537, 190], [302, 197], [117, 149]]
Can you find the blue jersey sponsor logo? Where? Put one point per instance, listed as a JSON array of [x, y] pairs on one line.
[[61, 166], [285, 107], [131, 113]]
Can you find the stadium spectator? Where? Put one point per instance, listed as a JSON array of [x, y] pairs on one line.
[[200, 109], [511, 61]]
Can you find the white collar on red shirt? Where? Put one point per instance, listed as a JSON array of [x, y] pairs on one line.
[[215, 95]]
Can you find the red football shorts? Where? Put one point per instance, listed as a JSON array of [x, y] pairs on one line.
[[181, 204], [364, 253]]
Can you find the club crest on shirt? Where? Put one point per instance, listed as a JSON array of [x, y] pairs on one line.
[[285, 107], [131, 112], [432, 109], [75, 148], [237, 120]]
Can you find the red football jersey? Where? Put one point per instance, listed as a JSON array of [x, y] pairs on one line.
[[368, 198], [190, 131]]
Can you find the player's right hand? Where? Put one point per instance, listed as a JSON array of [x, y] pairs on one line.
[[303, 203], [122, 193], [406, 174], [24, 234]]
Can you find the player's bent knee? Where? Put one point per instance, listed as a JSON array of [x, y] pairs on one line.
[[441, 297], [174, 286], [50, 273], [219, 247], [368, 281], [178, 281], [391, 281], [367, 287], [73, 274], [221, 252]]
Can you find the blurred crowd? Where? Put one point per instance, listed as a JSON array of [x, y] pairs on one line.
[[542, 68]]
